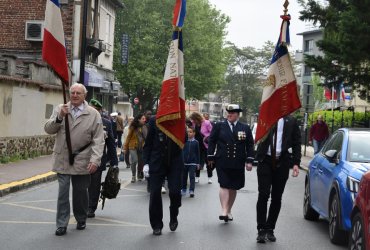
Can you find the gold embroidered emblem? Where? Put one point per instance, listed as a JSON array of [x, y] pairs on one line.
[[271, 81]]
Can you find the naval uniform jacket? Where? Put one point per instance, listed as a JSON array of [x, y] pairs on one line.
[[230, 149], [290, 146]]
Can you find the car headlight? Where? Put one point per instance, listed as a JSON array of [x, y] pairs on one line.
[[353, 185]]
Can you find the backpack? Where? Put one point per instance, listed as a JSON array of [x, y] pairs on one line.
[[111, 185]]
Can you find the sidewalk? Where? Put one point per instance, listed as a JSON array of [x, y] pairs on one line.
[[24, 174], [19, 175]]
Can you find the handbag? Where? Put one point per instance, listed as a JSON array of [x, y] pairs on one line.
[[122, 156]]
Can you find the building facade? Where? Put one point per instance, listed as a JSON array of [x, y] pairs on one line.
[[309, 40], [29, 90], [351, 98]]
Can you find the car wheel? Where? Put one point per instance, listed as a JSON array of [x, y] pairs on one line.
[[357, 237], [308, 212], [336, 234]]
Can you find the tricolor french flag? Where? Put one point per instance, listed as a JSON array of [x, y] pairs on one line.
[[171, 109], [280, 94], [179, 13], [53, 47]]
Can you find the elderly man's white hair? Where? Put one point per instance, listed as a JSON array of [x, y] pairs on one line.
[[79, 85]]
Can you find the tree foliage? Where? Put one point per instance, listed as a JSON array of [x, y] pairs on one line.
[[245, 73], [149, 26], [346, 26]]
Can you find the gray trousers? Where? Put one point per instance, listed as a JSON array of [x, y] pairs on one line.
[[133, 161], [80, 198]]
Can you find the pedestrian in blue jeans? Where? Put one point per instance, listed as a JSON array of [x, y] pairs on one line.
[[191, 162]]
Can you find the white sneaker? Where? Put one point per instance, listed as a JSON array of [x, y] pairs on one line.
[[196, 179], [209, 180], [163, 190]]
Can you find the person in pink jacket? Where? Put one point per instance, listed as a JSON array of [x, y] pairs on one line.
[[203, 130]]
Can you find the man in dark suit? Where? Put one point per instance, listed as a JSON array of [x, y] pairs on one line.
[[109, 155], [230, 148], [165, 159], [273, 173]]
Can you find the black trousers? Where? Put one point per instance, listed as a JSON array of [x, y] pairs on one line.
[[174, 189], [94, 189], [270, 182], [203, 159], [119, 138]]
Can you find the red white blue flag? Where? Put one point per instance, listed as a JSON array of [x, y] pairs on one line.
[[171, 108], [53, 47], [179, 13], [280, 93]]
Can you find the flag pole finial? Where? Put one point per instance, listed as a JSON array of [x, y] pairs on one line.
[[286, 4]]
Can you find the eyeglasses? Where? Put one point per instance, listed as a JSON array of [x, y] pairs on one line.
[[76, 93]]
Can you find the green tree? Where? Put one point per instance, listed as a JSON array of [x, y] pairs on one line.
[[346, 26], [245, 75], [149, 26], [318, 90]]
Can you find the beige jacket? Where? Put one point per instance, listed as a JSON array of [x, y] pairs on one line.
[[119, 122], [86, 128]]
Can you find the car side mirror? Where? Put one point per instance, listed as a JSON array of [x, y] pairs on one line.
[[331, 155]]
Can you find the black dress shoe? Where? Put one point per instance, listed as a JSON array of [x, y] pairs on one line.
[[224, 218], [61, 231], [261, 237], [81, 225], [91, 214], [173, 224], [157, 231], [270, 235]]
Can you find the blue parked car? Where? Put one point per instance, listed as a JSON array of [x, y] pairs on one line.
[[333, 178]]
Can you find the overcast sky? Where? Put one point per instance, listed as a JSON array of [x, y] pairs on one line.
[[253, 22]]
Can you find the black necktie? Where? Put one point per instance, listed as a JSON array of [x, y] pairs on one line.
[[233, 129]]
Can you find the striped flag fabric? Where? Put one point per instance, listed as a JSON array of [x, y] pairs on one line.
[[179, 13], [170, 117], [280, 93], [53, 47]]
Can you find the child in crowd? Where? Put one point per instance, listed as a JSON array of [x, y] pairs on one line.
[[191, 162]]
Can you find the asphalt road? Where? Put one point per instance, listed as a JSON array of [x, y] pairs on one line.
[[27, 221]]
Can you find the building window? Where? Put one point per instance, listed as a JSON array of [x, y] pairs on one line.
[[308, 45], [307, 71], [108, 21]]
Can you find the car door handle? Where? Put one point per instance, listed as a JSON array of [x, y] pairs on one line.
[[313, 166], [320, 171]]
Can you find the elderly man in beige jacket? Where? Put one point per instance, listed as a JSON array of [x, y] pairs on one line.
[[87, 139]]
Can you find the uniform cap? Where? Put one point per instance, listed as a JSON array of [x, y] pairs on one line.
[[233, 108]]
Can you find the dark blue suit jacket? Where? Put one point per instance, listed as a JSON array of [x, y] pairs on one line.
[[228, 149], [191, 152], [291, 140], [160, 152], [109, 153]]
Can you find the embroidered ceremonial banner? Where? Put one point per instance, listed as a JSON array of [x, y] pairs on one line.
[[171, 109], [280, 94]]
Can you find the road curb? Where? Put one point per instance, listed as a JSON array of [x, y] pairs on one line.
[[15, 186], [303, 167]]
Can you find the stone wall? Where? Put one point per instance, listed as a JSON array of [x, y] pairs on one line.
[[27, 146]]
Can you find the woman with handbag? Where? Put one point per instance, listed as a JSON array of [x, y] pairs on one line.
[[134, 144]]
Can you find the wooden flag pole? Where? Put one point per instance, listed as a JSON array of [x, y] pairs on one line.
[[66, 120]]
